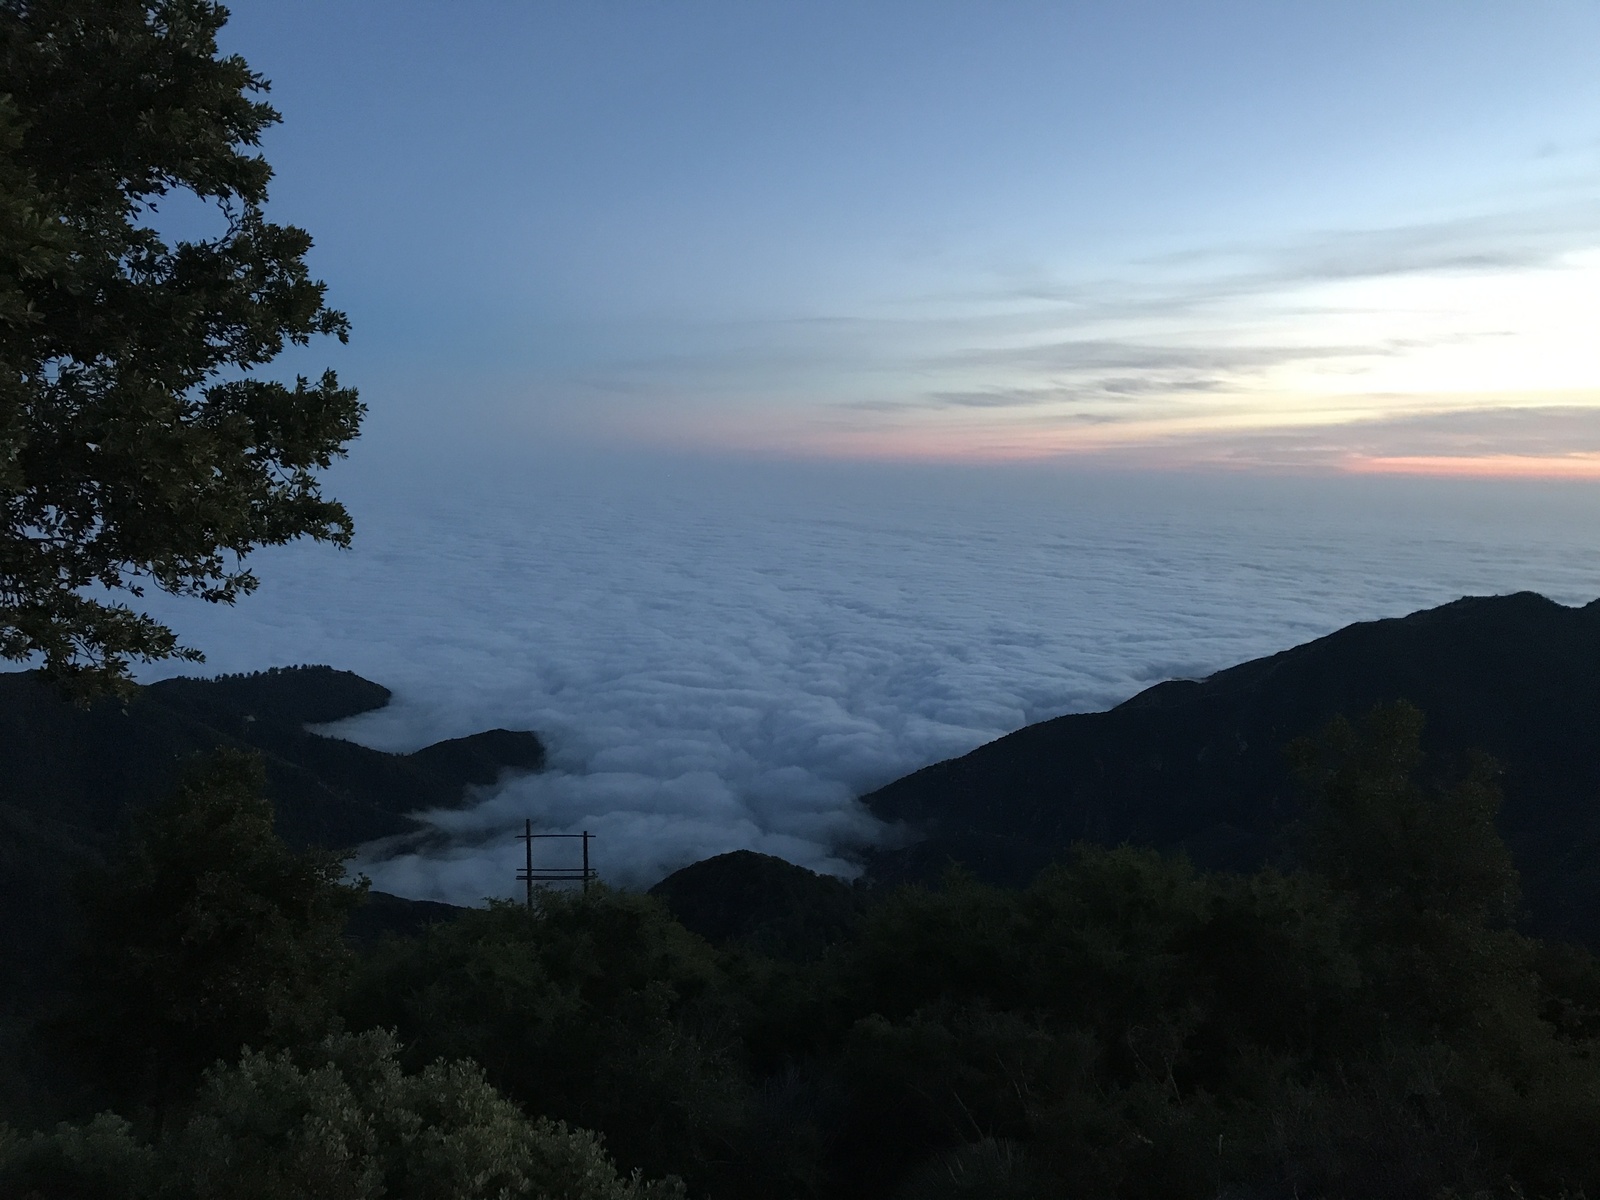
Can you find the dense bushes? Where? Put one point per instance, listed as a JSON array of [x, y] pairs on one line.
[[1370, 1025], [599, 1009], [1126, 1026], [206, 934], [342, 1123], [207, 937]]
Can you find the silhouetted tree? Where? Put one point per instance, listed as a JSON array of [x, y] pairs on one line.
[[1428, 877], [135, 447], [1407, 846], [206, 934], [598, 1009]]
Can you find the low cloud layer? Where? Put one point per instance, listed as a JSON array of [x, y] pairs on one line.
[[726, 656]]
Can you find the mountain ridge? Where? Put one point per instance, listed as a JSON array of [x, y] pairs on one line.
[[70, 775], [1198, 766]]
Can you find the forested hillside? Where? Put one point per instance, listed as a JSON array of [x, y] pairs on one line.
[[1318, 927], [1199, 766], [1316, 977], [72, 776], [1368, 1025]]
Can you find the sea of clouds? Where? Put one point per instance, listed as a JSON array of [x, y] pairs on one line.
[[724, 655]]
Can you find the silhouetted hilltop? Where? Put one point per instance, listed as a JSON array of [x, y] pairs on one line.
[[284, 695], [69, 775], [1199, 765], [763, 902], [382, 914], [481, 758], [89, 764]]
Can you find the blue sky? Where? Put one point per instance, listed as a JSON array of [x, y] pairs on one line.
[[607, 262], [1350, 237]]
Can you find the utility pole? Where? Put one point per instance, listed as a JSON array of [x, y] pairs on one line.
[[583, 874], [527, 844]]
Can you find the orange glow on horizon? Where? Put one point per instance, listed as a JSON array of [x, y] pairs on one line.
[[1355, 434], [1480, 466], [995, 447]]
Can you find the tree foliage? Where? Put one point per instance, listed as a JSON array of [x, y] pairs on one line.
[[597, 1008], [1370, 1025], [339, 1121], [137, 447], [205, 935], [1408, 846]]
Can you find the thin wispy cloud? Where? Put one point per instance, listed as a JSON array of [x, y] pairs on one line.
[[1318, 331], [1507, 239], [1109, 355]]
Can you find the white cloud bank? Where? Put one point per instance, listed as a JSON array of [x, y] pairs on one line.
[[726, 656]]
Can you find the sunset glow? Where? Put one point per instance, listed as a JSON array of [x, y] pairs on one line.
[[961, 234], [1483, 466]]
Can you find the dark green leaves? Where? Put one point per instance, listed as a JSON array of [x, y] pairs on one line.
[[135, 448], [1407, 845], [206, 934], [338, 1121]]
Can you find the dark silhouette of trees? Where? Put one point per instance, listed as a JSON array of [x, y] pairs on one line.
[[137, 446], [206, 934], [597, 1008], [1369, 1024]]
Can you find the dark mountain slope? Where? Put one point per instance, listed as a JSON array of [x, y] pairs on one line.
[[89, 765], [763, 902], [481, 758], [1199, 766], [69, 776]]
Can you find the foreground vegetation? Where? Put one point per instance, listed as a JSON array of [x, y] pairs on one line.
[[1367, 1025]]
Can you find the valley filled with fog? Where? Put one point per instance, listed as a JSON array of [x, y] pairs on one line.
[[725, 655]]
